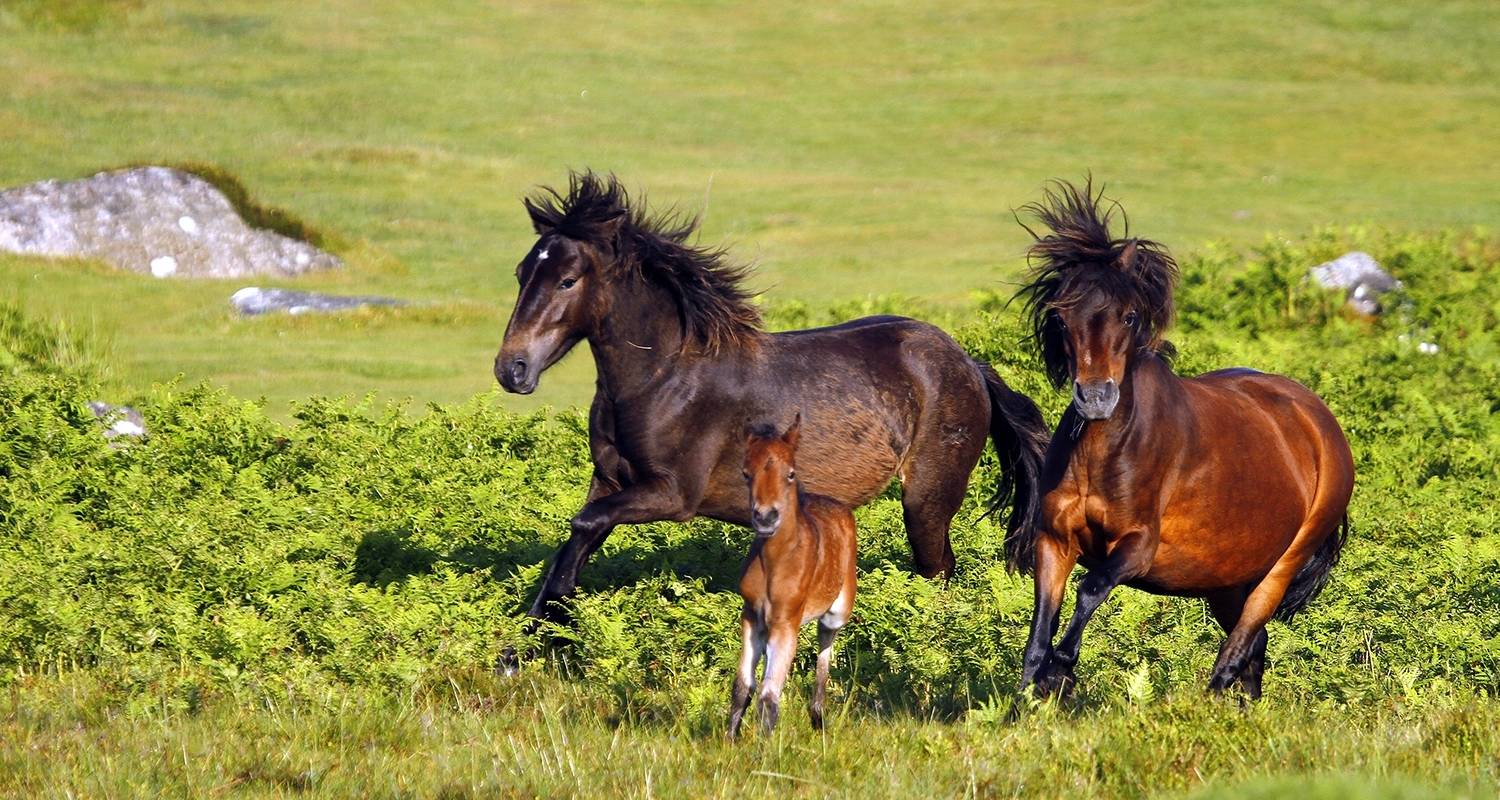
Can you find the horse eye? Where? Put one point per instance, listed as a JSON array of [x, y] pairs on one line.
[[791, 475], [567, 283], [1130, 318]]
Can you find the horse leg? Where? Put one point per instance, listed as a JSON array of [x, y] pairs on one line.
[[1131, 558], [642, 502], [1054, 563], [820, 684], [1246, 643], [781, 645], [934, 479], [752, 648], [1255, 668], [1226, 607]]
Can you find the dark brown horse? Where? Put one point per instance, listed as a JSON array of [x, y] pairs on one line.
[[801, 568], [1232, 486], [683, 365]]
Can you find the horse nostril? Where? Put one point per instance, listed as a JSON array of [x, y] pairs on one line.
[[518, 370]]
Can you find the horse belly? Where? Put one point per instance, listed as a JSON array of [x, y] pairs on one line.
[[1217, 539]]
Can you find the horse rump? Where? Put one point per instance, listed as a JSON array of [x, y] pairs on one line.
[[1314, 574]]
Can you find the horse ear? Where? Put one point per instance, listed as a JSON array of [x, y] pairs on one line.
[[1127, 260], [610, 228], [541, 221], [793, 433]]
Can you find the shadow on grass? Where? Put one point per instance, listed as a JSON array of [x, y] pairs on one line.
[[872, 688], [388, 556]]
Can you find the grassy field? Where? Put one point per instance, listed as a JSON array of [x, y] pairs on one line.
[[247, 606], [298, 596], [864, 149]]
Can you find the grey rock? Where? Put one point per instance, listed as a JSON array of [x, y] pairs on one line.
[[1359, 274], [120, 421], [253, 300], [152, 220]]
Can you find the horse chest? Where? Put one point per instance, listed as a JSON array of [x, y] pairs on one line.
[[1077, 511]]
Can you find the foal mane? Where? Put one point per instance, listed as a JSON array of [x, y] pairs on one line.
[[1078, 257], [708, 289]]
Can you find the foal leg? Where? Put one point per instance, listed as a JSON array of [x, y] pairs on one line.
[[1130, 558], [1054, 562], [752, 647], [781, 645], [825, 657]]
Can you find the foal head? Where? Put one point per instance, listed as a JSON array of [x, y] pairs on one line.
[[592, 245], [1097, 303], [771, 473]]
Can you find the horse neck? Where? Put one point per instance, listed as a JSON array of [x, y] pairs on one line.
[[1149, 389], [796, 530], [638, 339]]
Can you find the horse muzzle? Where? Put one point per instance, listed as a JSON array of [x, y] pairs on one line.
[[1096, 400], [765, 523], [517, 374]]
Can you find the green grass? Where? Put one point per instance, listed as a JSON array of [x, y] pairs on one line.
[[536, 737], [253, 606], [870, 148]]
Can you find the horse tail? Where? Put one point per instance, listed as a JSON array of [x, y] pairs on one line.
[[1313, 576], [1020, 436]]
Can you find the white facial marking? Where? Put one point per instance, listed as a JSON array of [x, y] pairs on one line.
[[544, 255]]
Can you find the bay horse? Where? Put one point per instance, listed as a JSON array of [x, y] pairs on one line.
[[1232, 486], [800, 569], [682, 364]]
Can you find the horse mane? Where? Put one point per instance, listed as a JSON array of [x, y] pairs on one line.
[[708, 289], [1078, 257]]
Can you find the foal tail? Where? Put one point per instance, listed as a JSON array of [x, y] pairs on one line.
[[1313, 576], [1020, 436]]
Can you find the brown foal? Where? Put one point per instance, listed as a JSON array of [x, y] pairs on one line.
[[800, 568]]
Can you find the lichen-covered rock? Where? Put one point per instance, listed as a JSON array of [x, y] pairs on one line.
[[1361, 275], [152, 220], [253, 300], [119, 421]]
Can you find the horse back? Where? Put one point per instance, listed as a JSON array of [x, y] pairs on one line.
[[1265, 446], [865, 388]]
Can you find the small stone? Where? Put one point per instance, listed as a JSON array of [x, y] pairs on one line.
[[253, 300], [123, 422], [162, 266], [127, 428], [188, 225], [1361, 276]]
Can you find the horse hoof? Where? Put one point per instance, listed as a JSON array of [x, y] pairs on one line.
[[1053, 684], [508, 665]]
